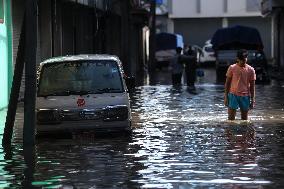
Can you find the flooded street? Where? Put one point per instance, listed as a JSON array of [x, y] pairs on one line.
[[181, 139]]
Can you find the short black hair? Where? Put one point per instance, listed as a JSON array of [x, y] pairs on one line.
[[242, 54]]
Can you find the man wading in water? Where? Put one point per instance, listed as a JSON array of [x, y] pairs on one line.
[[240, 87]]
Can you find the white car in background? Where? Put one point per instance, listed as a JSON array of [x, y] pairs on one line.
[[208, 42], [207, 55]]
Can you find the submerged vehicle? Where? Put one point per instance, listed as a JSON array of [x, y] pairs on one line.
[[82, 93], [227, 41], [166, 44]]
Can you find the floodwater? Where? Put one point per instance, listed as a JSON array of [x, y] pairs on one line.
[[181, 139]]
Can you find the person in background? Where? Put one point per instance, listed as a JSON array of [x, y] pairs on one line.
[[240, 87], [177, 67], [190, 66]]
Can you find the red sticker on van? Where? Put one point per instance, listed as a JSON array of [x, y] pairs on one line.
[[81, 102]]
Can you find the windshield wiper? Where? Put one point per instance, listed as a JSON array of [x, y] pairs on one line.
[[60, 93], [67, 93], [80, 92], [109, 90]]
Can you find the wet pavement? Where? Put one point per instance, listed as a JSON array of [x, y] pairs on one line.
[[181, 139]]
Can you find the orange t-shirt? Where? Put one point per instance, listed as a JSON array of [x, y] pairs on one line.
[[241, 78]]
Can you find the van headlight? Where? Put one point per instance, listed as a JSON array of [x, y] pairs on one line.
[[48, 116], [116, 113]]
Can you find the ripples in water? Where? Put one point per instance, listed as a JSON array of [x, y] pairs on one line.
[[181, 139]]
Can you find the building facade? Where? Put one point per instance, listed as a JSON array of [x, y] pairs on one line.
[[70, 27], [274, 9], [197, 20], [5, 52]]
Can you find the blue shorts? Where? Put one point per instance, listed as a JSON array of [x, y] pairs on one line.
[[235, 102]]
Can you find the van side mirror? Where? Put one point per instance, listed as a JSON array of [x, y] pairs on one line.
[[130, 82]]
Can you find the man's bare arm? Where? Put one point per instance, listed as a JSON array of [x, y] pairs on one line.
[[227, 89], [252, 93]]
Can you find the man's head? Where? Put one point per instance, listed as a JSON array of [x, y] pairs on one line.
[[242, 55]]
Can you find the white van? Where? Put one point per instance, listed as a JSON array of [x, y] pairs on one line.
[[81, 93]]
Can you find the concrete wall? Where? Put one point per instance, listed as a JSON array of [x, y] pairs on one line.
[[240, 8], [5, 54], [4, 64], [194, 31], [212, 8]]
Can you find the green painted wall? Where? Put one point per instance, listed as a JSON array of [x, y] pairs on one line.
[[5, 54]]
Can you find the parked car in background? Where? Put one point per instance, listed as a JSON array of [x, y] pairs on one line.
[[82, 93], [166, 44], [205, 55], [208, 55], [227, 41], [208, 42]]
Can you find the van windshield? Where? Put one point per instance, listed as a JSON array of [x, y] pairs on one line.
[[80, 77]]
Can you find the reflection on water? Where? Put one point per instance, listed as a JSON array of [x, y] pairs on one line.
[[181, 139]]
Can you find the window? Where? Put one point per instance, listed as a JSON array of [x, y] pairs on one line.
[[198, 6], [170, 6], [1, 11], [225, 6], [253, 5]]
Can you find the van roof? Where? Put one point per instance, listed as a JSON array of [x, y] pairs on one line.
[[81, 57]]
